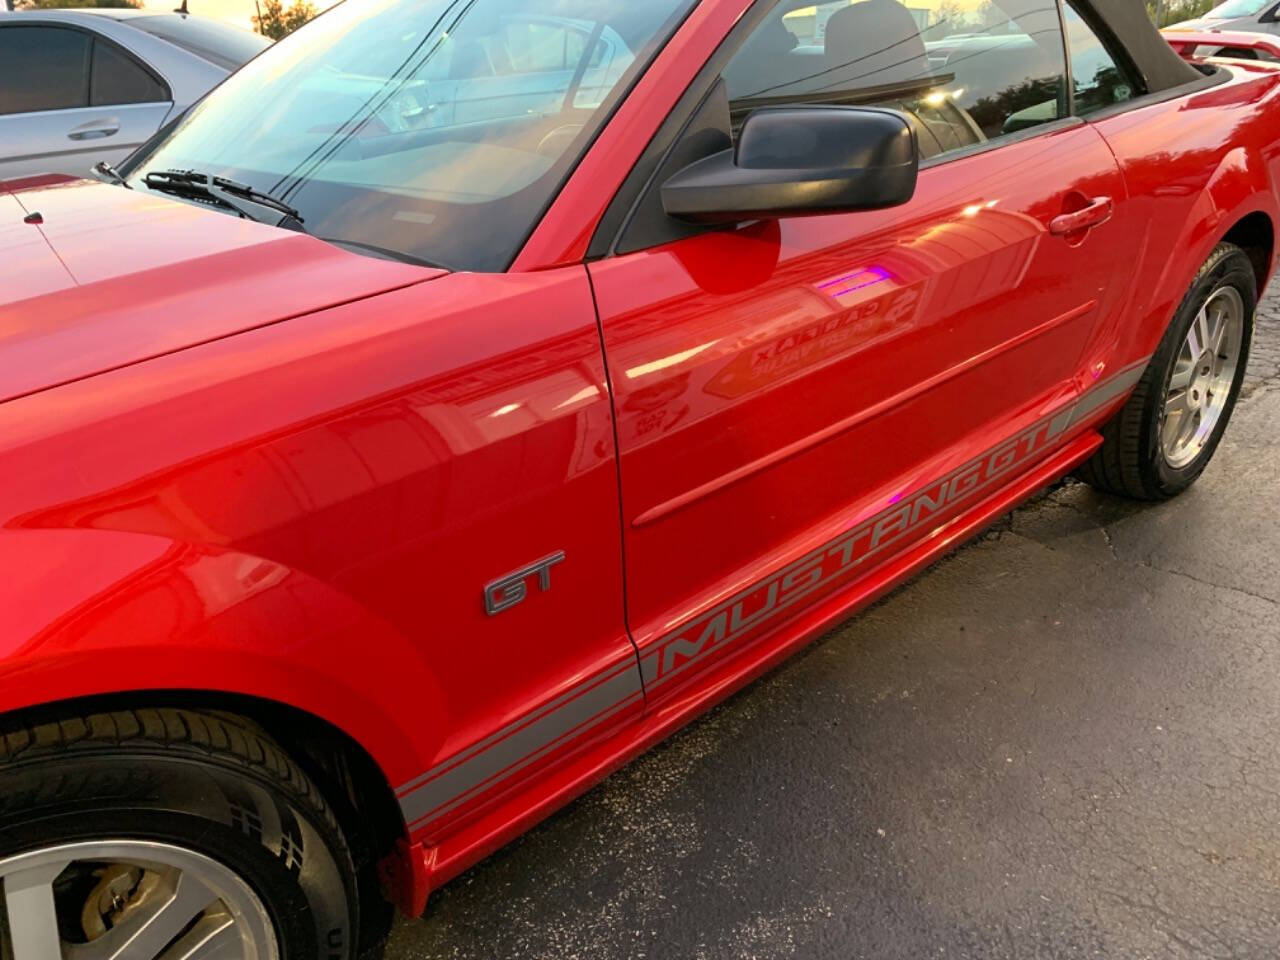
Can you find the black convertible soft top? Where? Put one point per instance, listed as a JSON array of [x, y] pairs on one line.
[[1127, 21]]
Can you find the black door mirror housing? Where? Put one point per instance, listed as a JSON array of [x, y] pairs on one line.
[[792, 161]]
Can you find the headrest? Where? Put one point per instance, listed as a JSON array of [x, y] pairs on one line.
[[872, 43]]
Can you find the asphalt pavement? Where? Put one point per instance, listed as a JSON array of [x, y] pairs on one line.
[[1060, 742]]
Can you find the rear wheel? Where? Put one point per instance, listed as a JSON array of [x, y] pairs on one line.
[[166, 835], [1166, 434]]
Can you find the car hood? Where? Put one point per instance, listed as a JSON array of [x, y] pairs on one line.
[[111, 276]]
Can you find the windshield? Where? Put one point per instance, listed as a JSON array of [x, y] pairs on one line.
[[438, 130], [1238, 8], [219, 43]]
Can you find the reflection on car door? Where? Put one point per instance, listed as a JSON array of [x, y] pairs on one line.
[[797, 400], [69, 99]]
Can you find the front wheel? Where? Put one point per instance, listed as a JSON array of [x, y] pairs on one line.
[[166, 835], [1165, 435]]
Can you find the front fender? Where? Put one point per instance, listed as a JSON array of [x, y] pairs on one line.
[[93, 612]]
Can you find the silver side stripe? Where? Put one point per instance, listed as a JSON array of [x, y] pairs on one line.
[[766, 600], [1106, 392], [440, 790], [589, 704]]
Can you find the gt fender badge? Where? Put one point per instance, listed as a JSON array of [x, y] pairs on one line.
[[507, 591]]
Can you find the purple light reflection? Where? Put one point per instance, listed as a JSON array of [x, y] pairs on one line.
[[872, 275]]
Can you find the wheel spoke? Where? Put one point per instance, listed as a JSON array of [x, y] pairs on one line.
[[1188, 427], [150, 901], [214, 937], [1203, 328], [1198, 335], [1181, 378], [33, 918], [1175, 403], [151, 928], [1174, 415], [1220, 333]]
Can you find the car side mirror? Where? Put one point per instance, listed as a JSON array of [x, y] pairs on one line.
[[793, 161]]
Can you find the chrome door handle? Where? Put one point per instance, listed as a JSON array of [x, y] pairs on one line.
[[95, 130], [1095, 214]]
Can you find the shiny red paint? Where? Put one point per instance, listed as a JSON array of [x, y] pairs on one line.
[[83, 258], [38, 180], [31, 267], [243, 462], [843, 361], [1196, 168], [279, 505]]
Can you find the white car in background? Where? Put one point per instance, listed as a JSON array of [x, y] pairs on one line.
[[82, 86], [1248, 16]]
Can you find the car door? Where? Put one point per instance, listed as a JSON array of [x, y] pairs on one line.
[[798, 399], [69, 98]]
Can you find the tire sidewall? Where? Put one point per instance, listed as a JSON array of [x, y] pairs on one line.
[[282, 852], [1226, 265]]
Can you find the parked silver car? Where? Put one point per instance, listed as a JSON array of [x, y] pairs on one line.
[[1250, 16], [80, 86]]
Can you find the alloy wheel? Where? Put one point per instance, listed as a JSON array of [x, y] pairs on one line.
[[1201, 380], [129, 900]]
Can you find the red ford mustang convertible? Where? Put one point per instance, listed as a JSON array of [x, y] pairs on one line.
[[467, 393]]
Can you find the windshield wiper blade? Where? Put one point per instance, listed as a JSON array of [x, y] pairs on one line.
[[179, 183], [260, 197], [235, 196], [177, 180], [108, 174]]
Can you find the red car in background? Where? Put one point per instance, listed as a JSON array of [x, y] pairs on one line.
[[376, 480]]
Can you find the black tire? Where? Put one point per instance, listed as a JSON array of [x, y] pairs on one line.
[[1131, 463], [199, 781]]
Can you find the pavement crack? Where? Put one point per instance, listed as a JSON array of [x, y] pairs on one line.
[[1111, 544], [1053, 498], [1150, 565], [1147, 562]]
